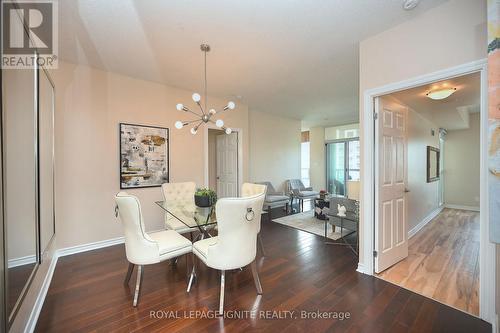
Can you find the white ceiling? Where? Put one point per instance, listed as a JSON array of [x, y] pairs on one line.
[[451, 113], [289, 57]]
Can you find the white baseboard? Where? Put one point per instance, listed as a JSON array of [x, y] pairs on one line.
[[424, 221], [361, 268], [89, 247], [462, 207], [21, 261]]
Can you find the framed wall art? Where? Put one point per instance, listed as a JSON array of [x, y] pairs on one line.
[[144, 156]]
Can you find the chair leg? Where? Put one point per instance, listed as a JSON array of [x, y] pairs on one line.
[[256, 279], [193, 274], [221, 299], [261, 245], [129, 273], [138, 284]]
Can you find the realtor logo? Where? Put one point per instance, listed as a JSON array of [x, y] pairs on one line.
[[29, 34]]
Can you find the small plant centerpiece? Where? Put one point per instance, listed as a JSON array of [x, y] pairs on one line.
[[323, 194], [205, 197]]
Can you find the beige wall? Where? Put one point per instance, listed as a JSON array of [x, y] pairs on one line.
[[451, 34], [461, 165], [318, 158], [423, 197], [274, 148], [90, 104]]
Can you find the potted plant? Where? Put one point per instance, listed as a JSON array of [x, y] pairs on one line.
[[205, 197], [323, 194]]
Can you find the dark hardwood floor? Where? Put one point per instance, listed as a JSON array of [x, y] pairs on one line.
[[299, 273]]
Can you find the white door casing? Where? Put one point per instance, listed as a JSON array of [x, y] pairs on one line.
[[227, 165], [391, 234]]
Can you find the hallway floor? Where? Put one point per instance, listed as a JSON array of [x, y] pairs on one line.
[[443, 261]]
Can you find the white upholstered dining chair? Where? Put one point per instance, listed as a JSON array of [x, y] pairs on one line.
[[251, 189], [179, 198], [144, 248], [235, 246]]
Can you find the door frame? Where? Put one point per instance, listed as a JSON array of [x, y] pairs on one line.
[[369, 199], [239, 131]]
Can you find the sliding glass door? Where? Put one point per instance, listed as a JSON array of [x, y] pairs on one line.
[[342, 165], [336, 163]]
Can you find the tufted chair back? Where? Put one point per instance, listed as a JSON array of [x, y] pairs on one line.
[[237, 232], [179, 195], [139, 247], [250, 189]]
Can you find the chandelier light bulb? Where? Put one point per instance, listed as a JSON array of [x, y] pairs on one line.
[[212, 112], [194, 130], [179, 107], [196, 97], [179, 124], [231, 105], [228, 130], [219, 123]]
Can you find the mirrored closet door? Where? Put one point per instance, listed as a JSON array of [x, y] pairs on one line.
[[20, 180], [28, 179]]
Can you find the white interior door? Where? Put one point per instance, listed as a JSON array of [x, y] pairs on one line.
[[227, 165], [391, 234]]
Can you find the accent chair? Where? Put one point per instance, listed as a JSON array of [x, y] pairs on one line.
[[235, 246], [298, 191], [144, 248]]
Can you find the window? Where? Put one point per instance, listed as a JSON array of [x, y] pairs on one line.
[[305, 163]]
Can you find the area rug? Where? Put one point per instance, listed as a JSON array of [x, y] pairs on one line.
[[307, 222]]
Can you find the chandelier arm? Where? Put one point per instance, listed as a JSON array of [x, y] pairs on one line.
[[198, 125], [190, 121], [195, 113], [201, 108]]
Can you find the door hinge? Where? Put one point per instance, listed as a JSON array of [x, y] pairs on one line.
[[375, 254], [375, 115]]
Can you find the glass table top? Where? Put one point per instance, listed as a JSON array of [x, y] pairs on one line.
[[190, 215]]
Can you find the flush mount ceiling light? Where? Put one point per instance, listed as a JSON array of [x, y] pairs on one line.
[[440, 93], [410, 4], [204, 117]]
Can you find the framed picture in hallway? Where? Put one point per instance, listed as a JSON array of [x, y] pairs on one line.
[[144, 156]]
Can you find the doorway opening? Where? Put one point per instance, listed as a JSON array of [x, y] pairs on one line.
[[427, 190], [223, 162]]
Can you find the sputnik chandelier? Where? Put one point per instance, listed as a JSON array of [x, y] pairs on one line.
[[204, 117]]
